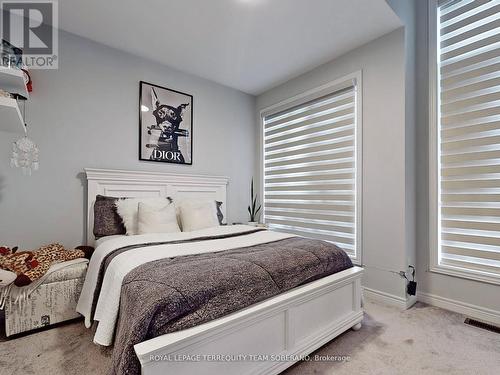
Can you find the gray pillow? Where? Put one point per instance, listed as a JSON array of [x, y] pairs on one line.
[[107, 222]]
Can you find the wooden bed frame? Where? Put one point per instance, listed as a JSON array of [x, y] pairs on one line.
[[265, 338]]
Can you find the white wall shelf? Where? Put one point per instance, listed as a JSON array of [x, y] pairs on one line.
[[12, 80], [10, 116]]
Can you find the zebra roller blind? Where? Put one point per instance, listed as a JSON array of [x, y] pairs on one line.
[[310, 169], [468, 52]]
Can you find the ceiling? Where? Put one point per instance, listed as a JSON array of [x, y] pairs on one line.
[[250, 45]]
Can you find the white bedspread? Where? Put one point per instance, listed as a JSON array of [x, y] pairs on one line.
[[109, 298]]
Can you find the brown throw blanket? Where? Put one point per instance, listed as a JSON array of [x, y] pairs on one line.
[[32, 265], [172, 294]]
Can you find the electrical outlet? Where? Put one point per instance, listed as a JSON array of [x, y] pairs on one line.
[[411, 288]]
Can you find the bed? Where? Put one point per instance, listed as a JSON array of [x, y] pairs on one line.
[[258, 301]]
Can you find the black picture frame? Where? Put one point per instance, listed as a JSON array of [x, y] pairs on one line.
[[167, 154]]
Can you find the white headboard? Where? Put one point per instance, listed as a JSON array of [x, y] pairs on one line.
[[120, 183]]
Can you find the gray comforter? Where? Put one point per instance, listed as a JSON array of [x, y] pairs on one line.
[[171, 294]]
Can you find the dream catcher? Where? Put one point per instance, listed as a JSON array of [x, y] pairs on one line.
[[25, 152]]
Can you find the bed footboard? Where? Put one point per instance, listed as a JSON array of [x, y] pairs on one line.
[[265, 338]]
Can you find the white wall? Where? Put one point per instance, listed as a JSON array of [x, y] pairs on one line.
[[406, 11], [85, 114], [458, 289], [382, 62]]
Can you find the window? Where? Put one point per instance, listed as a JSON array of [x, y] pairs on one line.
[[311, 171], [465, 138]]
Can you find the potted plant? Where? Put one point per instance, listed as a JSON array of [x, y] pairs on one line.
[[253, 210]]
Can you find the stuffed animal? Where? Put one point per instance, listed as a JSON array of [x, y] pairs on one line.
[[31, 265]]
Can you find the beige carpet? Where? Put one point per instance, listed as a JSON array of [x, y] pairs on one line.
[[422, 340]]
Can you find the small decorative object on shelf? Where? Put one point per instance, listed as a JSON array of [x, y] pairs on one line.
[[15, 83], [25, 155], [5, 94], [12, 57], [27, 80], [253, 210]]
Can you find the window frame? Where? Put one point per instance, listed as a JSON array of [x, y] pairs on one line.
[[349, 80], [435, 264]]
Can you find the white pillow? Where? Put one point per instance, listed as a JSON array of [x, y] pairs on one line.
[[128, 210], [197, 215], [153, 219]]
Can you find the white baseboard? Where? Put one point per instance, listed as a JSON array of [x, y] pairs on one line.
[[411, 301], [389, 299], [477, 312]]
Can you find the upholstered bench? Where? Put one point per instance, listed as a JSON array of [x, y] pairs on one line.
[[51, 302]]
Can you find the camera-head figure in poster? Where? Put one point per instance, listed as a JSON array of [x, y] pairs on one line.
[[164, 135]]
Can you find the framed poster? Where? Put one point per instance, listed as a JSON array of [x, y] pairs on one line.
[[165, 125]]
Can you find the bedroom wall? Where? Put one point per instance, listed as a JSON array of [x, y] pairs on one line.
[[382, 62], [85, 114], [461, 292], [406, 11]]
